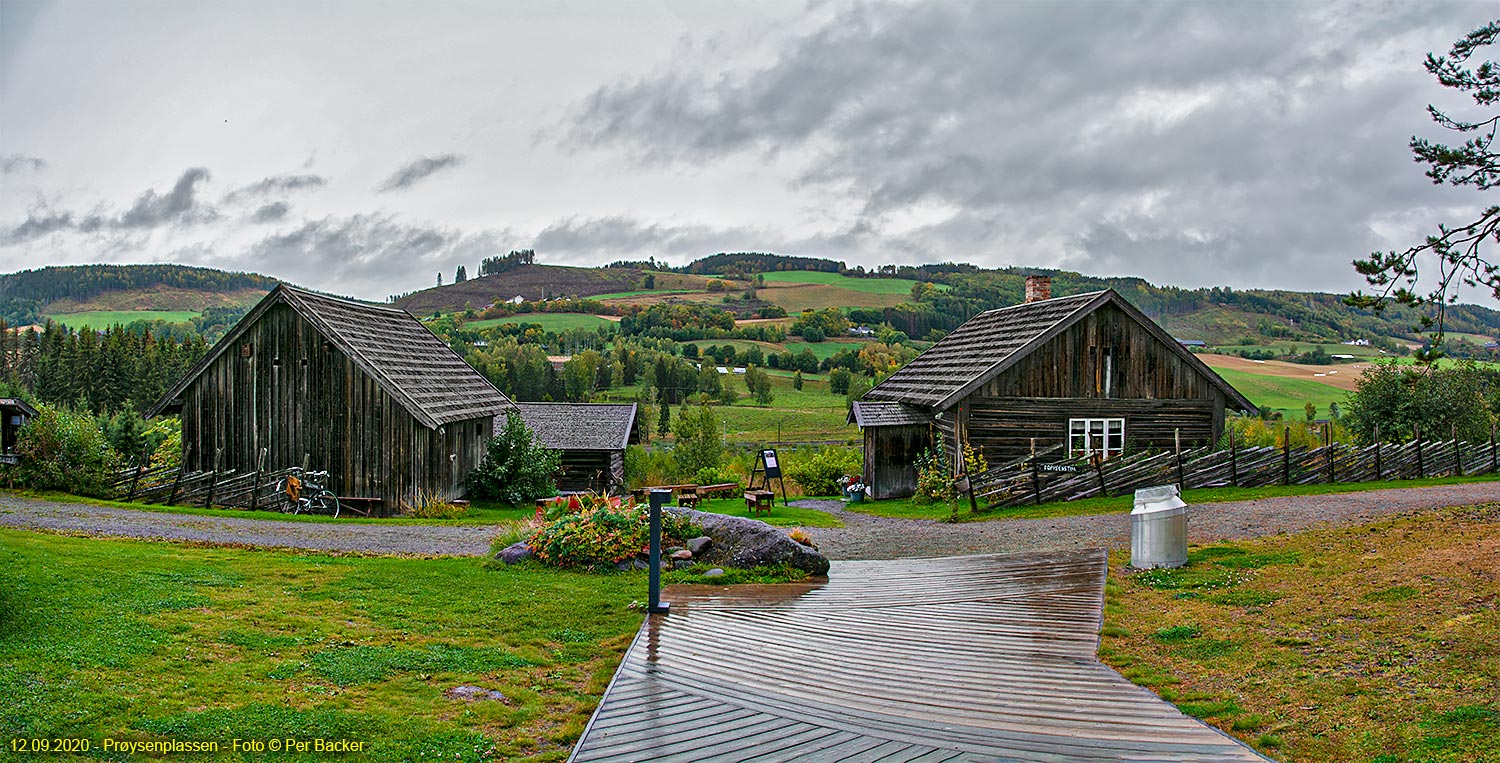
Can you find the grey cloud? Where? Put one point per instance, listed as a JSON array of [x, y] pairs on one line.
[[417, 170], [270, 213], [177, 205], [13, 163], [1247, 139], [37, 226], [274, 185]]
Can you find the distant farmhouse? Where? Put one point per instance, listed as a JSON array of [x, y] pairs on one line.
[[1089, 374], [362, 390], [592, 438]]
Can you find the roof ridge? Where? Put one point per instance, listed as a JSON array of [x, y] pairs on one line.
[[1089, 294]]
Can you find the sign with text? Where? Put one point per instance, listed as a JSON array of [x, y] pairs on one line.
[[773, 467]]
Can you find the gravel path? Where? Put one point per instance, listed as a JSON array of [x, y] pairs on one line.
[[862, 537], [870, 537], [90, 519]]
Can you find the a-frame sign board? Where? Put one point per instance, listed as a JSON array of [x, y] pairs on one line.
[[768, 468]]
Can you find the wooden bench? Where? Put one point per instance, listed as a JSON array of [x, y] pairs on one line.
[[723, 490], [353, 502], [643, 494], [760, 501]]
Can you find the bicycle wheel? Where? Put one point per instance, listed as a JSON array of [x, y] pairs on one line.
[[328, 503]]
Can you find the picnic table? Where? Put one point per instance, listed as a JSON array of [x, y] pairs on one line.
[[760, 501]]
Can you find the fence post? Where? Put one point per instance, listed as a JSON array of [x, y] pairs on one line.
[[1328, 452], [1177, 448], [187, 450], [140, 465], [1458, 460], [1099, 472], [1036, 476], [1377, 452], [1286, 456], [1234, 464], [260, 468], [213, 479], [1494, 461], [1421, 469]]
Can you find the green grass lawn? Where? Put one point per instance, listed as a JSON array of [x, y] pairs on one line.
[[155, 641], [824, 350], [905, 508], [548, 321], [865, 285], [103, 319], [1371, 643], [1284, 394], [480, 512]]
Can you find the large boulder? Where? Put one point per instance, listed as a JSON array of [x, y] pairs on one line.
[[746, 543], [515, 553]]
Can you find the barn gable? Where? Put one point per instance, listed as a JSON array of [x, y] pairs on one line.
[[408, 362]]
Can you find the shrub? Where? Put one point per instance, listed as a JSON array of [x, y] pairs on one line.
[[63, 450], [515, 468], [838, 381], [716, 475], [813, 334], [430, 504], [819, 473], [602, 535]]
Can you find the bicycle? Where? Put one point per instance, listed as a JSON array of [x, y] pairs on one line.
[[307, 492]]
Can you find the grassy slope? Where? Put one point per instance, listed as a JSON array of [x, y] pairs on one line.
[[100, 319], [1284, 394], [152, 640], [807, 415], [1365, 643], [548, 321]]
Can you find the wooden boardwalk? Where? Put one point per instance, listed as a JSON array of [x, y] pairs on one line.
[[984, 658]]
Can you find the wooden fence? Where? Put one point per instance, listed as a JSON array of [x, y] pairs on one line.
[[170, 486], [1049, 475]]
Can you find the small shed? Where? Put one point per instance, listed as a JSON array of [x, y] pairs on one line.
[[897, 434], [360, 389], [1087, 374], [14, 414], [591, 436]]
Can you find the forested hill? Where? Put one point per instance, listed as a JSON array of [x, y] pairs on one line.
[[25, 296]]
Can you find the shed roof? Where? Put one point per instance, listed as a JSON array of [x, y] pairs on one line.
[[989, 343], [18, 404], [578, 426], [405, 358], [870, 413]]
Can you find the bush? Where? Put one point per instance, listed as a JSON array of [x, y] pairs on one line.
[[603, 535], [63, 450], [515, 468], [432, 505], [813, 334], [716, 475], [699, 443], [819, 473]]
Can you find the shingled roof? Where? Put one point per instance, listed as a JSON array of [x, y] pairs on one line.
[[870, 413], [405, 359], [989, 343], [578, 426]]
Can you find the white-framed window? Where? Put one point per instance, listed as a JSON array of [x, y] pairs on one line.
[[1087, 437]]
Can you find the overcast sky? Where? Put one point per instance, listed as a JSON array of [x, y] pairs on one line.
[[361, 147]]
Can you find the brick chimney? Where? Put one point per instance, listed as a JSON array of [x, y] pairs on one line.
[[1038, 288]]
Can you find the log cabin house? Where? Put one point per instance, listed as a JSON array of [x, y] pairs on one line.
[[1089, 374], [592, 438], [362, 390]]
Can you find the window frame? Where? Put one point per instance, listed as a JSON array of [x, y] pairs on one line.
[[1088, 435]]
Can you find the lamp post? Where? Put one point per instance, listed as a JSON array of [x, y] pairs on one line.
[[654, 604]]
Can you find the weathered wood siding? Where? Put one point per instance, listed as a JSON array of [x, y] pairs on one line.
[[890, 459], [299, 397], [595, 470], [1144, 382]]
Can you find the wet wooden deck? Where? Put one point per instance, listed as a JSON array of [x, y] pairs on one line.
[[984, 658]]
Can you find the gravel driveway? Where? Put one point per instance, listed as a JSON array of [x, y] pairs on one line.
[[863, 537]]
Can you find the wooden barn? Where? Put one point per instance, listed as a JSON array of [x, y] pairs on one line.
[[1088, 374], [362, 390], [14, 414], [592, 438]]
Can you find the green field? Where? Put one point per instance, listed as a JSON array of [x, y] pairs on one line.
[[102, 319], [824, 350], [1283, 348], [865, 285], [548, 321], [1283, 394]]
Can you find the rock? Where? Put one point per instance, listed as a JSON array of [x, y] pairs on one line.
[[474, 694], [641, 564], [714, 573], [670, 550], [514, 553], [680, 555], [681, 564], [700, 544], [746, 543]]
